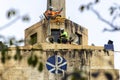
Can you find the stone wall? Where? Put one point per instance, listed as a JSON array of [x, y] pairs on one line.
[[88, 61]]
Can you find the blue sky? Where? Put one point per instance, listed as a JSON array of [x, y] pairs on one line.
[[35, 8]]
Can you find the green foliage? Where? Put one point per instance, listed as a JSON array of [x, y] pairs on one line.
[[96, 1], [114, 13], [82, 8], [95, 74], [114, 9], [33, 60], [20, 41], [76, 75], [108, 76], [11, 41], [11, 13], [40, 67], [30, 60], [3, 59], [25, 18], [17, 56], [9, 57], [3, 49]]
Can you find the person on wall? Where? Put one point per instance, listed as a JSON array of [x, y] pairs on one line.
[[51, 14], [63, 36]]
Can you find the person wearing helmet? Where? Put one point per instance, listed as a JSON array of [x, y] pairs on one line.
[[51, 14], [63, 36], [50, 8]]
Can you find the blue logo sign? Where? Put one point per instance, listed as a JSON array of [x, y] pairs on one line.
[[56, 64]]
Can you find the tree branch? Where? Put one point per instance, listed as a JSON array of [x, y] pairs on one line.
[[114, 28], [10, 23]]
